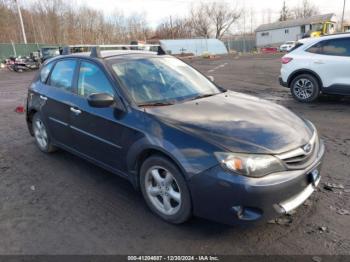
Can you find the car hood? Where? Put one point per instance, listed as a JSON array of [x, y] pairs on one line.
[[238, 123]]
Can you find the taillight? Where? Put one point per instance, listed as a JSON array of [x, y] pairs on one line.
[[286, 60]]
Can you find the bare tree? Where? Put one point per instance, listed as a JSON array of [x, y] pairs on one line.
[[284, 13], [306, 9], [177, 28], [222, 16], [200, 21]]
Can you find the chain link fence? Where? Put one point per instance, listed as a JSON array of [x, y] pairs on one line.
[[241, 44], [10, 49]]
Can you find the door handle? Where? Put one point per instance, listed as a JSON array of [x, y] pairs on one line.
[[319, 62], [75, 111], [43, 97]]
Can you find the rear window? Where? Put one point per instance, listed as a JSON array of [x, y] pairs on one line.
[[333, 47]]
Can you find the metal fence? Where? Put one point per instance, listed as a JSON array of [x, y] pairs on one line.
[[11, 49], [242, 45]]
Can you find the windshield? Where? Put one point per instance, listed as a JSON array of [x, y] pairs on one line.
[[162, 80], [290, 43]]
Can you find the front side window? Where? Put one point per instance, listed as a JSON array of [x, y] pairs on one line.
[[161, 80], [93, 80], [45, 71], [334, 47], [62, 75]]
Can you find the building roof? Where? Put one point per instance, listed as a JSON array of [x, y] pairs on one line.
[[296, 22]]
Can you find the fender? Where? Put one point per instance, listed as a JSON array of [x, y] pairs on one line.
[[144, 145], [304, 71]]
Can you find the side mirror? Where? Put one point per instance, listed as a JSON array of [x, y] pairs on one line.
[[100, 100], [211, 78]]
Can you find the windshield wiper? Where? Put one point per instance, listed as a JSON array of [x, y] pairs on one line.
[[156, 104], [202, 96]]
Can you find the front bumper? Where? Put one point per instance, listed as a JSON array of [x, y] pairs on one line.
[[232, 199]]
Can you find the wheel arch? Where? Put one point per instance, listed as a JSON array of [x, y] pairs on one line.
[[135, 163], [304, 71], [29, 118]]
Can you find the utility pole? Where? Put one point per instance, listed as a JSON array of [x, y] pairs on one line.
[[21, 20], [244, 30], [171, 27], [342, 18]]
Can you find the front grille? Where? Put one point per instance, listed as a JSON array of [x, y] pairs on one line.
[[301, 158]]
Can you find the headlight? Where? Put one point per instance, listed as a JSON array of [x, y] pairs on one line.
[[249, 164]]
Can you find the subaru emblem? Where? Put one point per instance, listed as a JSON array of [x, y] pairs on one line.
[[307, 148]]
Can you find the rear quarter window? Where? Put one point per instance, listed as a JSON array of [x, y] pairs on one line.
[[297, 45], [45, 71]]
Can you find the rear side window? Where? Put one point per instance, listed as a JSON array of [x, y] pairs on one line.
[[93, 80], [297, 45], [45, 71], [62, 75], [333, 47]]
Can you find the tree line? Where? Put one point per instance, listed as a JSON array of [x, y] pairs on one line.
[[63, 22], [60, 21]]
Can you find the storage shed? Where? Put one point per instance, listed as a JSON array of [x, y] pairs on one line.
[[193, 46]]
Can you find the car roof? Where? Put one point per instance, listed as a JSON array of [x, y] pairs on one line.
[[327, 37]]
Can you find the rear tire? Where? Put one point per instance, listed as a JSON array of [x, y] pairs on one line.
[[305, 88], [42, 137], [165, 190]]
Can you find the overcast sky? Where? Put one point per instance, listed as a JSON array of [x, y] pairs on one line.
[[158, 10]]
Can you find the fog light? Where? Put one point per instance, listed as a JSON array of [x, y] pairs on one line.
[[247, 213], [238, 211]]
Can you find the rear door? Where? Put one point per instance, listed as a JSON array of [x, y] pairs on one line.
[[331, 61], [97, 132], [57, 94]]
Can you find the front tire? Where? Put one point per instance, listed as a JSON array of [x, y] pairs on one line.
[[41, 135], [305, 88], [165, 190]]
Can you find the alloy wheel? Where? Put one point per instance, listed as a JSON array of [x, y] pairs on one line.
[[40, 134], [163, 190], [303, 88]]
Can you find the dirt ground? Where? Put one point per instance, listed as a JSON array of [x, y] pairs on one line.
[[60, 204]]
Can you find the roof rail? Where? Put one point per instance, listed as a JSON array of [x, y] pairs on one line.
[[96, 50]]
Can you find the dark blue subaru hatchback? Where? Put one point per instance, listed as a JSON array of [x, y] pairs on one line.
[[191, 147]]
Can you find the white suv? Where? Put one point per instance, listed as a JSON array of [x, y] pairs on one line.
[[317, 65]]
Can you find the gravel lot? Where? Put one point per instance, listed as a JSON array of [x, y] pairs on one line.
[[60, 204]]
